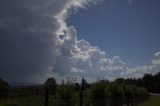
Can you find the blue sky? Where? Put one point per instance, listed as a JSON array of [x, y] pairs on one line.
[[129, 30], [110, 39]]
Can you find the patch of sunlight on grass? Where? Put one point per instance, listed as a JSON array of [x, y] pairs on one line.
[[153, 101]]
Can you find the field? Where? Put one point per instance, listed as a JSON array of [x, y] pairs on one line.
[[153, 101], [38, 101], [28, 101], [22, 101]]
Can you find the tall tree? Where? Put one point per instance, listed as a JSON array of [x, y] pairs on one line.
[[4, 88], [51, 85], [81, 92], [50, 88]]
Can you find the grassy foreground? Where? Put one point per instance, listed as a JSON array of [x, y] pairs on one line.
[[38, 101], [153, 101]]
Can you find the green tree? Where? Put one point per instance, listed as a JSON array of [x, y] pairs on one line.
[[65, 95], [51, 85], [115, 93], [50, 88], [4, 88], [98, 94], [148, 81]]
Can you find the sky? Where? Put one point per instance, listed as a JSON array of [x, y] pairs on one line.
[[78, 38], [129, 30]]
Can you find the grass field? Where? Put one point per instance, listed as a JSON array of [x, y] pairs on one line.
[[153, 101], [38, 101]]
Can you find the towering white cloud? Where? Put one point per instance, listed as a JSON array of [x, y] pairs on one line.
[[31, 41], [36, 42], [80, 58]]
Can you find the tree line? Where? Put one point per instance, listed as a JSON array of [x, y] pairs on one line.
[[148, 81], [104, 93], [70, 93]]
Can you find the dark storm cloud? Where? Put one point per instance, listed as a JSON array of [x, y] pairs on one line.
[[27, 33], [28, 36], [31, 48]]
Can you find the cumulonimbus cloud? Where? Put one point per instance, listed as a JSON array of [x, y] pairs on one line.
[[36, 42], [29, 35]]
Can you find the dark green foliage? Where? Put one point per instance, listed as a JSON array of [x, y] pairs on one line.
[[46, 98], [50, 88], [50, 84], [23, 91], [65, 95], [4, 88], [114, 94], [81, 93], [120, 80], [148, 81], [98, 94], [121, 92], [83, 87], [77, 87]]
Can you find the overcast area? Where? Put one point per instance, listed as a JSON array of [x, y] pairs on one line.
[[37, 43]]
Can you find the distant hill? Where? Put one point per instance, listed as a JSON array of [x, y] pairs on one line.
[[23, 84]]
